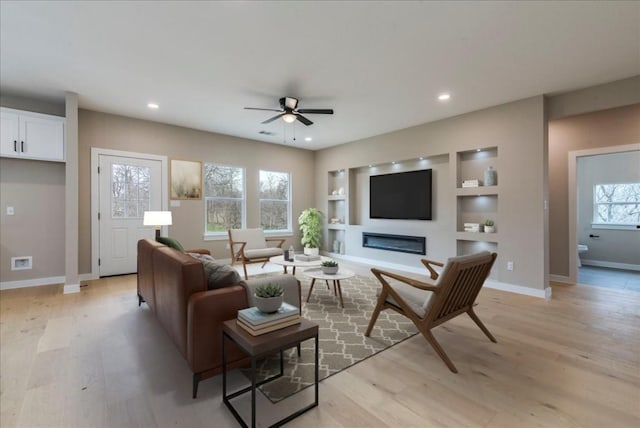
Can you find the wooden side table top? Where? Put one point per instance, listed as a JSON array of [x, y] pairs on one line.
[[272, 341]]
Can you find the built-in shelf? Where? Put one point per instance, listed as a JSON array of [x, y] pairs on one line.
[[336, 197], [477, 191], [477, 236], [336, 226]]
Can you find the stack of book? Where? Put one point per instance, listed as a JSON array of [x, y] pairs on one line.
[[471, 183], [306, 258], [473, 227], [256, 322]]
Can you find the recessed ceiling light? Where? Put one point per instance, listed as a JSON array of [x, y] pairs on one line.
[[478, 150], [444, 96], [153, 106], [308, 139]]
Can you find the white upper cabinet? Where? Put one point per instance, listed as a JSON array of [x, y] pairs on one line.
[[30, 135]]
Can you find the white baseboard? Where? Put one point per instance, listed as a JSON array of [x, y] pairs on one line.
[[560, 278], [36, 282], [612, 265], [519, 289]]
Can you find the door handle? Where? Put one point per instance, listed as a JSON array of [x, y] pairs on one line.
[[22, 146], [15, 145]]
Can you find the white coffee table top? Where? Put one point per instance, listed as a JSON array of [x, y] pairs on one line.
[[318, 274], [279, 260]]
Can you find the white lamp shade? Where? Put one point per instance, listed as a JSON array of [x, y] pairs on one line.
[[157, 218]]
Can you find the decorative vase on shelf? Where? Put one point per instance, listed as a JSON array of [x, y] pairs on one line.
[[490, 178]]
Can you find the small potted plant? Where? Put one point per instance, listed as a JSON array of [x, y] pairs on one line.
[[489, 226], [310, 221], [269, 297], [329, 267]]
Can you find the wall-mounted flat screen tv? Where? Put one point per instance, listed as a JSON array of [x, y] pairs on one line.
[[401, 196]]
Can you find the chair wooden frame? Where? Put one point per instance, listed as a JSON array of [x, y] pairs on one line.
[[454, 295], [239, 255]]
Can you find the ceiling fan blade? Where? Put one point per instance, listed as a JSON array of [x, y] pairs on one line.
[[304, 120], [262, 109], [316, 110], [277, 116]]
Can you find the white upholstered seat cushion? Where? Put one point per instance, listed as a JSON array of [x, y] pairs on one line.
[[263, 252]]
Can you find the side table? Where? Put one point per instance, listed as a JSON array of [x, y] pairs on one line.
[[262, 346], [316, 273]]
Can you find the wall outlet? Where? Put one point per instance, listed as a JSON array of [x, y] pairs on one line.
[[509, 265], [10, 211]]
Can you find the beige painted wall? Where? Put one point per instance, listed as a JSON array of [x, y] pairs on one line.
[[614, 127], [616, 246], [518, 130], [36, 191], [122, 133]]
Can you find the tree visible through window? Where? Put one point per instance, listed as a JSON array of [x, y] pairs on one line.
[[224, 198], [616, 203], [129, 190], [275, 207]]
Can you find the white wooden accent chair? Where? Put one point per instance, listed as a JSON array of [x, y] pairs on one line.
[[429, 305], [251, 246]]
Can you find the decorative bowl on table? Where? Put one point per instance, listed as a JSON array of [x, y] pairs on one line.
[[269, 297], [329, 267]]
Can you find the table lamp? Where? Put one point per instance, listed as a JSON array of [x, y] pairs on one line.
[[157, 219]]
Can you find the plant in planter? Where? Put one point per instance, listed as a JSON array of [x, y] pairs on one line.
[[329, 267], [310, 221], [269, 297], [489, 226]]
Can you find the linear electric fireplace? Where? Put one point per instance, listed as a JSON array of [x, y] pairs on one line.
[[400, 243]]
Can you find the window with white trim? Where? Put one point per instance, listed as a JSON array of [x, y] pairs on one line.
[[224, 197], [275, 201], [616, 204]]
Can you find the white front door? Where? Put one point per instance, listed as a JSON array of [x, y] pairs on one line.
[[128, 187]]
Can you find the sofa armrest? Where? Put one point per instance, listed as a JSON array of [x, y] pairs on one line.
[[289, 283], [206, 312], [198, 251]]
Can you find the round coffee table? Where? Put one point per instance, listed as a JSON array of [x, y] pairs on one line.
[[279, 260], [316, 273]]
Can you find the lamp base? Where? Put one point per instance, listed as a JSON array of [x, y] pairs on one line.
[[157, 233]]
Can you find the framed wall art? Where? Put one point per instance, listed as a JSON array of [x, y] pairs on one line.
[[186, 179]]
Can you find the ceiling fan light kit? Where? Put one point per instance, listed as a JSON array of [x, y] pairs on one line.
[[289, 112]]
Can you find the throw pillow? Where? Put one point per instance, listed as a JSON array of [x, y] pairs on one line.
[[170, 242], [217, 274]]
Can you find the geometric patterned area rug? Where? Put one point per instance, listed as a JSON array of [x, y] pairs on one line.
[[341, 335]]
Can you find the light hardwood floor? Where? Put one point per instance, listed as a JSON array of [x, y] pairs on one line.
[[95, 359]]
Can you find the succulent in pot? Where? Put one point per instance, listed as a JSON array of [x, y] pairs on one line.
[[269, 297], [489, 226], [329, 267]]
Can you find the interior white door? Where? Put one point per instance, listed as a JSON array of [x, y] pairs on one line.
[[128, 187]]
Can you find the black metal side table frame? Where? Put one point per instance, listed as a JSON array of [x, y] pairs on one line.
[[254, 384]]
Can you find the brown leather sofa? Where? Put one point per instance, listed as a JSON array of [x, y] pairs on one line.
[[174, 287]]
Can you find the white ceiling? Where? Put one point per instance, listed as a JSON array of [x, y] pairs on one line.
[[379, 64]]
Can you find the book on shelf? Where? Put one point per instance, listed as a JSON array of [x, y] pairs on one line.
[[255, 317], [306, 258], [277, 325], [471, 183]]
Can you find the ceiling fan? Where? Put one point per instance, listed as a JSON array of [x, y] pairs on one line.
[[290, 113]]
